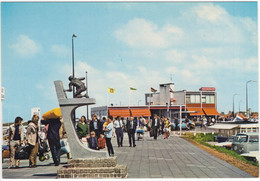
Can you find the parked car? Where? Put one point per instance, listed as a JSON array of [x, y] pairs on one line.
[[246, 142], [227, 143]]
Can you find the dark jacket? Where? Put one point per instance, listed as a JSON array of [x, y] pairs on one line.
[[128, 125], [53, 129], [92, 143], [99, 125], [158, 123]]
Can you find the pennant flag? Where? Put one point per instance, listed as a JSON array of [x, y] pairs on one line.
[[153, 90], [111, 90], [133, 89], [170, 89], [172, 100]]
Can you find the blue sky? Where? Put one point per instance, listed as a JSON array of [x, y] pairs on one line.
[[124, 45]]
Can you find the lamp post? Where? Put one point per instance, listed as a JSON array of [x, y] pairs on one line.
[[73, 75], [73, 72], [247, 95], [87, 90], [234, 104], [239, 106]]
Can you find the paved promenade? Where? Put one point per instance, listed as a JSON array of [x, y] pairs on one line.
[[161, 158]]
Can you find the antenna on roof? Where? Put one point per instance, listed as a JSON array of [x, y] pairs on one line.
[[171, 77]]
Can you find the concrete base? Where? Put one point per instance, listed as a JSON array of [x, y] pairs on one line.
[[93, 168]]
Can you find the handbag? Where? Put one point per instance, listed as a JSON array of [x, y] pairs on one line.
[[151, 132]]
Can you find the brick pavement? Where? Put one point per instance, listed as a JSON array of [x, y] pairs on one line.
[[162, 158]]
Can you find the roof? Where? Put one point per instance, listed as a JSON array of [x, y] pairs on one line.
[[232, 125], [248, 125], [223, 126]]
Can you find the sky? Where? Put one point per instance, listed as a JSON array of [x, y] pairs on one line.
[[122, 45]]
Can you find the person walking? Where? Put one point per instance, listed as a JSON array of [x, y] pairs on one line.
[[32, 139], [131, 128], [204, 122], [166, 128], [95, 125], [155, 125], [16, 138], [82, 127], [109, 129], [118, 125], [53, 137]]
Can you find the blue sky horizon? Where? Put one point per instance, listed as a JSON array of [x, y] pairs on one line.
[[122, 45]]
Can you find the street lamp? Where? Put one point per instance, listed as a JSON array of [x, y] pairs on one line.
[[234, 104], [73, 74], [239, 105], [87, 90], [247, 94]]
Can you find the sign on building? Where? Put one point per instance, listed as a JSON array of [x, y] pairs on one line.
[[207, 89], [37, 111]]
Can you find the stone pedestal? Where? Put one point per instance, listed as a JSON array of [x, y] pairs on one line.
[[93, 168]]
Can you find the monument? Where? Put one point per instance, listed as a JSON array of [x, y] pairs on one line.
[[85, 163]]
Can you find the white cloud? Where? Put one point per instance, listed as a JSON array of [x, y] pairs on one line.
[[61, 50], [25, 47], [141, 33], [210, 13]]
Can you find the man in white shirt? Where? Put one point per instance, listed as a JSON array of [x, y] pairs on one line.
[[118, 125]]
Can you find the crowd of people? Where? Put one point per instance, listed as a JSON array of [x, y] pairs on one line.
[[96, 133], [31, 139], [99, 133]]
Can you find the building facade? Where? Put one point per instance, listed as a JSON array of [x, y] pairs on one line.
[[167, 102]]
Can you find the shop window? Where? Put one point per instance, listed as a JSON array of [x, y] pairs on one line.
[[210, 99], [243, 130], [188, 99], [194, 98], [203, 99]]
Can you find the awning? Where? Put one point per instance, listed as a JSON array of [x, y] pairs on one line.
[[140, 112], [199, 111], [210, 111], [119, 112]]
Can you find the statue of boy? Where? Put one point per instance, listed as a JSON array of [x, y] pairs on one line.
[[80, 86]]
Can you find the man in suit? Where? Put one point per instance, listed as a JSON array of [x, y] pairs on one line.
[[155, 125], [95, 125], [131, 128]]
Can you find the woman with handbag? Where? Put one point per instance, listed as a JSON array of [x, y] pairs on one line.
[[32, 140]]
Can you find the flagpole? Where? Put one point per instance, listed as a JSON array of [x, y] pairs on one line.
[[107, 99], [129, 98]]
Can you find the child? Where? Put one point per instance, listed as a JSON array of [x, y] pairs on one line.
[[92, 141], [101, 142], [166, 132]]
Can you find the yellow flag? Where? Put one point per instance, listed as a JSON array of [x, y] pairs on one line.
[[111, 90]]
